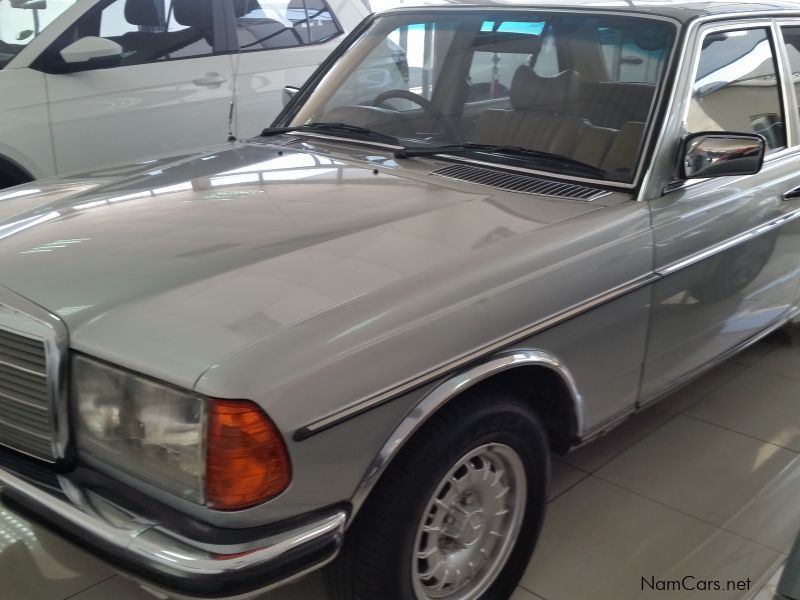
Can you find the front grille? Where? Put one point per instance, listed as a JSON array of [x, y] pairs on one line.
[[26, 419], [521, 183]]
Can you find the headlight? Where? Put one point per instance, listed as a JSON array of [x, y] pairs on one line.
[[223, 453]]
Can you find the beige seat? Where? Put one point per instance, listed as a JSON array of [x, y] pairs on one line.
[[539, 120], [534, 120]]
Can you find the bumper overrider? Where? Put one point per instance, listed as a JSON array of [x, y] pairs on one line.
[[192, 559]]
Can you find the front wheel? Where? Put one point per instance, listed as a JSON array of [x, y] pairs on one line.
[[457, 514]]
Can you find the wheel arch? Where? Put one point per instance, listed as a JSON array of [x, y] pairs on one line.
[[520, 370], [11, 170]]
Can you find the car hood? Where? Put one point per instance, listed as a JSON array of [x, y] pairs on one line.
[[167, 266]]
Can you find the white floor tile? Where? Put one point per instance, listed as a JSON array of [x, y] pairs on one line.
[[758, 404], [783, 359], [523, 594], [600, 540], [38, 565], [719, 476], [563, 477]]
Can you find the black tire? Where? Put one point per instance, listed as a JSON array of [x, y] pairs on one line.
[[376, 559]]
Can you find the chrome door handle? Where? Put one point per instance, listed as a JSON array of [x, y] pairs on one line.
[[212, 80], [792, 194]]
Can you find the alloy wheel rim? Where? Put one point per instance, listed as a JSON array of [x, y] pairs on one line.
[[470, 525]]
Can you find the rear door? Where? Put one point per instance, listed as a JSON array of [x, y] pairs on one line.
[[171, 93]]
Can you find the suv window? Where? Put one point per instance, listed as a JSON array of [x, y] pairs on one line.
[[20, 25], [148, 30], [270, 24], [737, 88]]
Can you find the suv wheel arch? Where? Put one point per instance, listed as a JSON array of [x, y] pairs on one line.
[[11, 173]]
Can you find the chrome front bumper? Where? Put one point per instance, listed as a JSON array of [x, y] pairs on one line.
[[167, 560]]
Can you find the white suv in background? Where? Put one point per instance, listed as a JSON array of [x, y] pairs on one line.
[[85, 83]]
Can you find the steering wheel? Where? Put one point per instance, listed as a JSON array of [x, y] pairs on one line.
[[425, 105]]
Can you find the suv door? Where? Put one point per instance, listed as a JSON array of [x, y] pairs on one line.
[[727, 248], [281, 42], [172, 91]]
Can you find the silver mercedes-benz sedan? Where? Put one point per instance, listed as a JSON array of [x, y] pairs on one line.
[[478, 235]]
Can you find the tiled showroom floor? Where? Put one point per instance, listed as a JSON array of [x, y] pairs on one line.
[[706, 484]]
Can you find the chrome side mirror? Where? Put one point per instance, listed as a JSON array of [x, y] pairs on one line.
[[289, 92], [719, 154]]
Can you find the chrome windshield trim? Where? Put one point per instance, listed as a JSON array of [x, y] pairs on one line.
[[748, 235], [445, 392], [373, 401], [347, 140]]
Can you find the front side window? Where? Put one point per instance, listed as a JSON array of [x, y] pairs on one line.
[[737, 88], [537, 81], [21, 22], [271, 24], [148, 30]]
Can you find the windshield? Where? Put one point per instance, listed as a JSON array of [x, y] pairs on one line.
[[557, 91], [22, 20]]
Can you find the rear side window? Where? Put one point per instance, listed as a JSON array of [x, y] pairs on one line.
[[791, 36], [271, 24], [148, 30], [737, 87]]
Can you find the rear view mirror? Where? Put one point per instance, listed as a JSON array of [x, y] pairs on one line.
[[718, 154], [91, 53]]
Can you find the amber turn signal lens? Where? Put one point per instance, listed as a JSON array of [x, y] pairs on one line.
[[247, 462]]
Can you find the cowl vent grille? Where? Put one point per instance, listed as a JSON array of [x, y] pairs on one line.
[[523, 184]]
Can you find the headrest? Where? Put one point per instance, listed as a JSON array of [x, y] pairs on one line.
[[194, 13], [143, 13], [529, 90]]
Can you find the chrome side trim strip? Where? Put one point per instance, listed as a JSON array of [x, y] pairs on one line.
[[602, 428], [445, 392], [729, 243], [370, 402]]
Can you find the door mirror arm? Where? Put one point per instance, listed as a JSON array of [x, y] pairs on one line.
[[86, 54]]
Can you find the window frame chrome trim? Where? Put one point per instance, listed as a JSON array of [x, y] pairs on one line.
[[57, 367], [715, 21]]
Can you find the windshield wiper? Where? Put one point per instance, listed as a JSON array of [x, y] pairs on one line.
[[513, 151], [345, 129]]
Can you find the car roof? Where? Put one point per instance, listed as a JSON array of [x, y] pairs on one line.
[[680, 10]]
